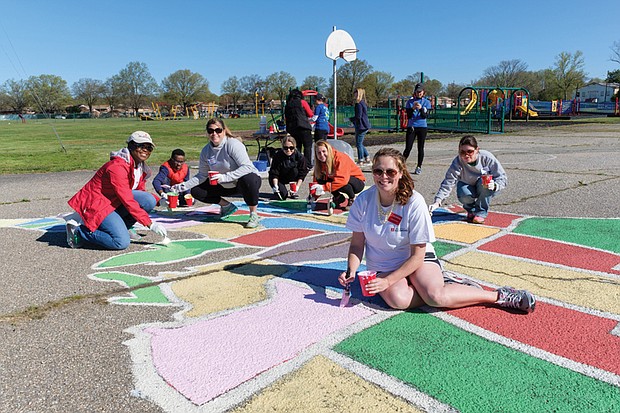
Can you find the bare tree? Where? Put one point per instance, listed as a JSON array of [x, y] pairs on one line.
[[185, 87], [280, 83], [317, 83], [137, 84], [508, 73], [88, 91], [112, 91], [616, 52], [14, 94], [251, 85]]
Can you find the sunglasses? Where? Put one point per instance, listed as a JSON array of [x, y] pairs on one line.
[[146, 146], [391, 173], [467, 152], [288, 148], [216, 130]]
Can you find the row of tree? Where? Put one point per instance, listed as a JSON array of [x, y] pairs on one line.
[[134, 86]]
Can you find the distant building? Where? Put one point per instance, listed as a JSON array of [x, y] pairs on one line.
[[598, 92]]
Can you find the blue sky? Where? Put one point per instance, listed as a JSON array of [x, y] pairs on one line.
[[452, 41]]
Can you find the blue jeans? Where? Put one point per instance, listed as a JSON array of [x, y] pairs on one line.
[[475, 198], [112, 232], [362, 153]]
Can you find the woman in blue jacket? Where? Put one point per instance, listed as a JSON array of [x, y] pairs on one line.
[[417, 109]]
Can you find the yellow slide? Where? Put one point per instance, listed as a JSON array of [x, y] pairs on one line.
[[470, 106], [523, 109]]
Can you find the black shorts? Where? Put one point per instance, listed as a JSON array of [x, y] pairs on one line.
[[431, 257]]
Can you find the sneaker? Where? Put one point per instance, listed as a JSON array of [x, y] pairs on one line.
[[133, 235], [509, 297], [293, 195], [253, 221], [73, 238], [470, 216], [451, 278], [417, 171], [227, 210], [478, 220]]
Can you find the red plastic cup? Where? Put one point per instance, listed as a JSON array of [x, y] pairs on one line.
[[173, 199], [293, 186], [486, 179], [365, 277], [312, 191], [211, 180], [189, 200]]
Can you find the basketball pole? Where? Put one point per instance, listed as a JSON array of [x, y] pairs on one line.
[[335, 97]]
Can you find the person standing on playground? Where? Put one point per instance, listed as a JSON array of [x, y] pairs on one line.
[[321, 116], [287, 166], [336, 172], [417, 109], [115, 199], [362, 125], [235, 173], [172, 172], [467, 172], [296, 113], [393, 230]]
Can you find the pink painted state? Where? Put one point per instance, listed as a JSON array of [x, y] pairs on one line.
[[208, 358]]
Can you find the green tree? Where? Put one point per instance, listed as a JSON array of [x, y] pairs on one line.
[[452, 90], [279, 83], [349, 77], [231, 88], [568, 73], [112, 92], [377, 85], [137, 84], [251, 85], [318, 83], [185, 88], [14, 95], [49, 92], [613, 76], [88, 91]]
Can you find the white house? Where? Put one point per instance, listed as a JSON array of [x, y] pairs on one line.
[[598, 92]]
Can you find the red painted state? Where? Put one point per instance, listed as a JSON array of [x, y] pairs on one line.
[[496, 219], [578, 336], [553, 252], [271, 237]]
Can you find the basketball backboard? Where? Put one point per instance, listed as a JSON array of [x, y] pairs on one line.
[[340, 44]]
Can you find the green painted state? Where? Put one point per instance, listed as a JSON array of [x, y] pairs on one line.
[[597, 233], [295, 204], [445, 248], [243, 218], [471, 373], [175, 251], [43, 224], [146, 295]]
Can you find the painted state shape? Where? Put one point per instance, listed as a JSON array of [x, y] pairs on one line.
[[207, 358], [272, 237]]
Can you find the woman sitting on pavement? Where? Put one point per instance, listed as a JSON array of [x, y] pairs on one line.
[[337, 173], [287, 166], [391, 224], [236, 173], [115, 199], [466, 171], [172, 172]]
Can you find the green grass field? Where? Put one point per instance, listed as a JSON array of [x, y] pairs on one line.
[[34, 147]]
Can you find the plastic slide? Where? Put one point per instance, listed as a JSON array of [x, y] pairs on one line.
[[524, 110], [470, 106]]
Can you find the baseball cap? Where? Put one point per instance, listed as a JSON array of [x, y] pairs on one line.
[[320, 97], [418, 87], [140, 137]]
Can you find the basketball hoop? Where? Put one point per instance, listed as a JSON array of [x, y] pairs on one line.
[[348, 55]]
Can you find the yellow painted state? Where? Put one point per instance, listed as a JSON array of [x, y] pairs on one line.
[[322, 386], [573, 287], [219, 230], [461, 232], [223, 290]]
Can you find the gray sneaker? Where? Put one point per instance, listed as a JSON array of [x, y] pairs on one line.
[[227, 210], [133, 235], [451, 278], [73, 238], [417, 171], [509, 297], [253, 221]]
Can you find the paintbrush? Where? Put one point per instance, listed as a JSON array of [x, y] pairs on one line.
[[346, 293]]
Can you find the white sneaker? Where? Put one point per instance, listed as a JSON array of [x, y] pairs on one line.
[[253, 221]]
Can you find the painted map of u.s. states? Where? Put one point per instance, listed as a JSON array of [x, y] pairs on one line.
[[260, 327]]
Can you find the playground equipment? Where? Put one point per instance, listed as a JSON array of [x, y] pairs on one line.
[[473, 99], [311, 94], [522, 107]]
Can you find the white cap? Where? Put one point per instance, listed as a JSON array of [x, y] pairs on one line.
[[140, 137]]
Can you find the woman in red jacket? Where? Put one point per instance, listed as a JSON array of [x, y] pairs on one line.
[[115, 199], [337, 173]]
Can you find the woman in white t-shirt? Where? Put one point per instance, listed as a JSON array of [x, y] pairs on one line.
[[391, 223]]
